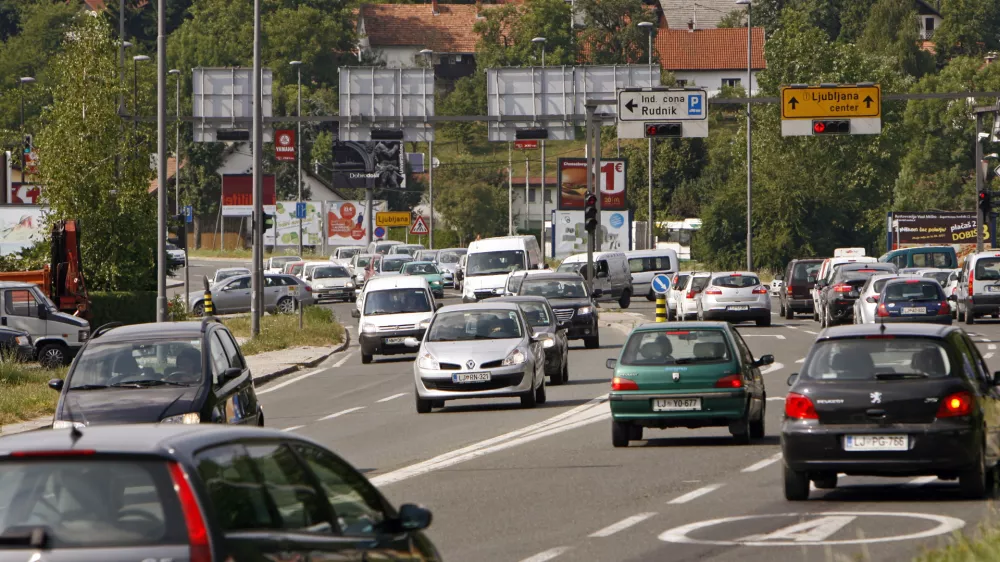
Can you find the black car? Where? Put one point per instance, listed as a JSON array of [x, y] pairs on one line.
[[197, 493], [575, 310], [542, 319], [180, 372], [795, 295], [891, 400], [836, 298], [16, 344]]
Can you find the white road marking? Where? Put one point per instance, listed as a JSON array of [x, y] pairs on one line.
[[802, 360], [548, 554], [810, 332], [775, 398], [792, 327], [293, 428], [764, 463], [987, 355], [622, 525], [810, 531], [388, 398], [341, 413], [921, 481], [772, 367], [307, 375], [991, 346], [779, 336], [695, 494]]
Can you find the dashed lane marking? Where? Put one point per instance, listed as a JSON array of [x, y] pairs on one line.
[[293, 428], [393, 397], [341, 413], [622, 525], [548, 554], [991, 346], [810, 332], [307, 375], [695, 494], [763, 464], [988, 355], [801, 360]]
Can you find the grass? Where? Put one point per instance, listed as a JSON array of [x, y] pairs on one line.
[[983, 546], [24, 392], [281, 331]]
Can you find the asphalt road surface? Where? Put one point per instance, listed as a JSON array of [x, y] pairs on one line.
[[507, 484]]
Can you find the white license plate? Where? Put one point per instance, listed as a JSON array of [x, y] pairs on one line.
[[738, 308], [394, 341], [676, 404], [470, 377], [876, 442], [993, 288], [914, 310]]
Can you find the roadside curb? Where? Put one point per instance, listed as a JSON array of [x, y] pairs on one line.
[[299, 366], [26, 426]]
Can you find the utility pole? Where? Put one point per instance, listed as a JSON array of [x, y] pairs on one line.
[[749, 136], [980, 215], [510, 189], [298, 149], [648, 26], [257, 277], [591, 236], [597, 126], [161, 164]]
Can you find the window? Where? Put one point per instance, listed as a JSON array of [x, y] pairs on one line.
[[929, 26], [239, 499], [232, 350], [931, 259], [736, 281], [537, 313], [299, 505], [531, 195], [988, 269], [475, 325], [731, 82], [899, 260], [357, 507], [140, 364], [21, 302], [241, 283], [397, 301], [680, 281], [640, 265], [554, 288], [548, 195], [675, 347], [804, 271], [220, 362], [877, 359]]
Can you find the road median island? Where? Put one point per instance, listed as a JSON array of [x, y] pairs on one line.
[[281, 331], [24, 391]]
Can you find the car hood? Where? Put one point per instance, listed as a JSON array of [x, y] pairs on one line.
[[127, 405], [64, 318], [452, 267], [564, 303], [477, 351], [334, 282], [480, 282]]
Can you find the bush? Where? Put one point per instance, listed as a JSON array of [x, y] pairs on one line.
[[281, 331], [132, 307]]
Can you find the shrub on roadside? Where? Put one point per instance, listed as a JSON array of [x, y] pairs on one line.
[[131, 307], [281, 331]]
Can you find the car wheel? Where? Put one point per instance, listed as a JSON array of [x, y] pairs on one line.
[[789, 313], [286, 305], [366, 358], [592, 342], [796, 485], [781, 309], [625, 300], [757, 428], [565, 372], [973, 482], [764, 322], [619, 434], [815, 316], [423, 406], [198, 309], [529, 399], [52, 356], [970, 317], [540, 392], [826, 481], [740, 430], [635, 432], [651, 296]]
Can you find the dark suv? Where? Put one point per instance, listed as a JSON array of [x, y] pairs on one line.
[[179, 372], [836, 298], [575, 310], [799, 279]]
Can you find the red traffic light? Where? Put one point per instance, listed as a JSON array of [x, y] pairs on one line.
[[982, 195], [819, 127], [656, 130], [831, 127], [590, 200]]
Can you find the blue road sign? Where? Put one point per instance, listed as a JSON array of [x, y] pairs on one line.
[[300, 210], [379, 232], [695, 104], [661, 284], [188, 213]]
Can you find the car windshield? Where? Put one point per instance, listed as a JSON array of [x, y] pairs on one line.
[[89, 502], [282, 262], [554, 288], [736, 281], [536, 313], [420, 269], [475, 325], [428, 255], [939, 276], [393, 264], [329, 272], [347, 253], [363, 262], [220, 275], [174, 362], [675, 347], [383, 248], [396, 301], [171, 246], [913, 290], [572, 267], [408, 250], [494, 263], [449, 257], [805, 272], [876, 358]]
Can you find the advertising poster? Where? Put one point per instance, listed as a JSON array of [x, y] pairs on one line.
[[20, 227], [375, 164], [572, 180], [24, 193], [570, 237], [936, 228], [346, 222], [288, 226], [237, 195]]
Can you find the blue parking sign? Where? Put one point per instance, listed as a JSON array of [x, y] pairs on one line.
[[300, 210], [188, 213], [661, 284], [695, 104]]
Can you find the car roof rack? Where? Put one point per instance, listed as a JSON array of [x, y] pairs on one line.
[[208, 319], [105, 329]]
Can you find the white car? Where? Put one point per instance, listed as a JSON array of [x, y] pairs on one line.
[[227, 272], [677, 283], [175, 255], [330, 282], [276, 265], [827, 270], [867, 302], [390, 310], [735, 297], [776, 285], [344, 254], [690, 292]]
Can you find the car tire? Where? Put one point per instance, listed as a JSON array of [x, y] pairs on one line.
[[423, 406], [970, 317], [285, 305], [620, 434], [764, 322], [626, 299], [635, 432], [757, 427], [826, 482], [741, 430], [365, 358], [651, 296], [198, 309], [53, 355], [781, 308], [796, 485], [973, 482], [540, 397], [528, 400], [815, 316], [593, 342], [565, 373]]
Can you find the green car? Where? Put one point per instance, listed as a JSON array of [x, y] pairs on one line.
[[686, 374], [428, 271]]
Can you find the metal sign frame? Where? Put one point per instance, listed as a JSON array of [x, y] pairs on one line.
[[692, 126], [219, 94], [371, 94]]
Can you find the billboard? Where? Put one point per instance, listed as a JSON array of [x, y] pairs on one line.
[[937, 228], [20, 227], [24, 193], [375, 165], [346, 222], [570, 237], [288, 225], [572, 180], [237, 195]]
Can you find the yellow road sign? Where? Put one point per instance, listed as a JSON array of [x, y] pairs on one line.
[[392, 218], [846, 101]]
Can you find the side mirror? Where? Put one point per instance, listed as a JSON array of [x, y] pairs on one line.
[[437, 306], [355, 313], [43, 313], [411, 342], [953, 298], [872, 299], [414, 517], [230, 374], [56, 384], [821, 284], [764, 360], [598, 293], [611, 363], [792, 378]]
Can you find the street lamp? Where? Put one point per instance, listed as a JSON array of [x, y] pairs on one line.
[[648, 26], [135, 88], [298, 141], [541, 238], [429, 56], [540, 41], [20, 86], [749, 6]]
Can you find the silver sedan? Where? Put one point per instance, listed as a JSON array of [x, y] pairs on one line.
[[479, 350]]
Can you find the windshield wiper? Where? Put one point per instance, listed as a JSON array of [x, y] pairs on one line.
[[686, 360], [899, 376], [88, 387], [138, 383]]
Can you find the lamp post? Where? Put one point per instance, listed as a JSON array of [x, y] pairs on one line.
[[20, 86], [161, 161], [135, 88], [298, 141], [749, 6], [177, 145], [648, 26], [429, 56], [541, 226]]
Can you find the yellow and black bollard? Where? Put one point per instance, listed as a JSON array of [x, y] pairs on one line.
[[209, 309], [661, 308]]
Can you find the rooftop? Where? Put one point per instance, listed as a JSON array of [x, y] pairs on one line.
[[417, 25], [709, 49]]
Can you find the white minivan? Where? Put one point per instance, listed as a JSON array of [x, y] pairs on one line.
[[491, 260], [612, 275], [646, 264], [978, 290], [391, 309]]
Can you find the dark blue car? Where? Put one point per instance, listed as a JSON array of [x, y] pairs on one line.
[[913, 300]]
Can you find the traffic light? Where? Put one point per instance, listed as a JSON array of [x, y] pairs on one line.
[[590, 212], [984, 201], [28, 143], [832, 127], [268, 222], [661, 130], [531, 134], [178, 225]]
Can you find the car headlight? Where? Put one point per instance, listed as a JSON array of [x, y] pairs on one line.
[[427, 361], [84, 334], [584, 310], [66, 424], [435, 282], [22, 340], [369, 328], [424, 324], [515, 357], [190, 418], [350, 285]]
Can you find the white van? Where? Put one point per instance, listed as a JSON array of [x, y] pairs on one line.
[[978, 290], [491, 260], [381, 247], [646, 264], [390, 310], [612, 275], [57, 336]]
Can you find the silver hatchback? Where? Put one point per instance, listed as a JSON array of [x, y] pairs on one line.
[[735, 297], [479, 350]]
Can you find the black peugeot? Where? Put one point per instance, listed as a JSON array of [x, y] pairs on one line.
[[891, 400], [575, 310]]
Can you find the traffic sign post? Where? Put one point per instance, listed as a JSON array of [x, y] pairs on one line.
[[188, 214], [662, 112], [661, 284], [392, 218], [419, 227], [845, 109]]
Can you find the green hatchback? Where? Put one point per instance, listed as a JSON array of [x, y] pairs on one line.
[[687, 374], [428, 271]]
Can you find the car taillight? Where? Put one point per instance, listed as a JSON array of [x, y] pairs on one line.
[[945, 309], [690, 295], [842, 288], [958, 404], [882, 310], [799, 407], [201, 551], [732, 381], [972, 274], [713, 291], [759, 290], [872, 299], [66, 453], [309, 289], [619, 383]]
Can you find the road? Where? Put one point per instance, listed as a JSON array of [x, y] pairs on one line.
[[507, 484]]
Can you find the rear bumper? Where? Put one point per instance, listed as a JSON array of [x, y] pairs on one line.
[[754, 313], [936, 319], [841, 309], [719, 408], [374, 344], [985, 304], [799, 305]]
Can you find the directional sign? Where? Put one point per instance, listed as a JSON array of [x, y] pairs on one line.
[[661, 284], [392, 218], [300, 210], [665, 105], [841, 101], [419, 226]]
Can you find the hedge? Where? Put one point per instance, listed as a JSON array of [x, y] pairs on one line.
[[127, 307]]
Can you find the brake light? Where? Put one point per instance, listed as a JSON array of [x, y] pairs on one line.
[[690, 295], [732, 381], [678, 333], [842, 288], [912, 281], [736, 275], [193, 518], [971, 279], [66, 453], [308, 289], [944, 309], [619, 383], [713, 291], [882, 310], [761, 290], [799, 407], [954, 405]]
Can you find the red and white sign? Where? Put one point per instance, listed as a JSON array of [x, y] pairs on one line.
[[526, 144], [23, 193], [419, 226], [284, 145], [572, 182], [237, 195], [31, 162]]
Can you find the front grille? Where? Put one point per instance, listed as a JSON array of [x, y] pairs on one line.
[[480, 295], [491, 364], [399, 328], [495, 383], [449, 366], [564, 314]]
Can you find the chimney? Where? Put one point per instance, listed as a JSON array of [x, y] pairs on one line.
[[434, 7], [691, 26], [479, 9]]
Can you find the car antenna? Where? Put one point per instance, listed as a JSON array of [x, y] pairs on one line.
[[75, 434]]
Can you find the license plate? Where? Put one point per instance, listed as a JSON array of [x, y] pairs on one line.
[[292, 290], [394, 341], [676, 404], [738, 308], [993, 288], [853, 294], [915, 310], [876, 442], [471, 377]]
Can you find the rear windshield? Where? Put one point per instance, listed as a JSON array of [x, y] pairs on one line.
[[363, 262], [736, 281], [876, 359], [680, 281], [536, 313], [676, 347], [91, 503], [988, 269], [939, 276], [805, 272], [393, 264], [345, 253], [932, 259], [910, 291], [449, 257]]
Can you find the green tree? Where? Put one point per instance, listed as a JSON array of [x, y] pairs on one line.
[[893, 30], [611, 34], [470, 195], [970, 27]]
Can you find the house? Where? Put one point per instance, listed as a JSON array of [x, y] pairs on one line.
[[710, 58], [530, 216], [930, 18], [700, 14]]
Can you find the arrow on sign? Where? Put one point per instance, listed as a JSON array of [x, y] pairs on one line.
[[793, 102], [630, 106], [868, 101]]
